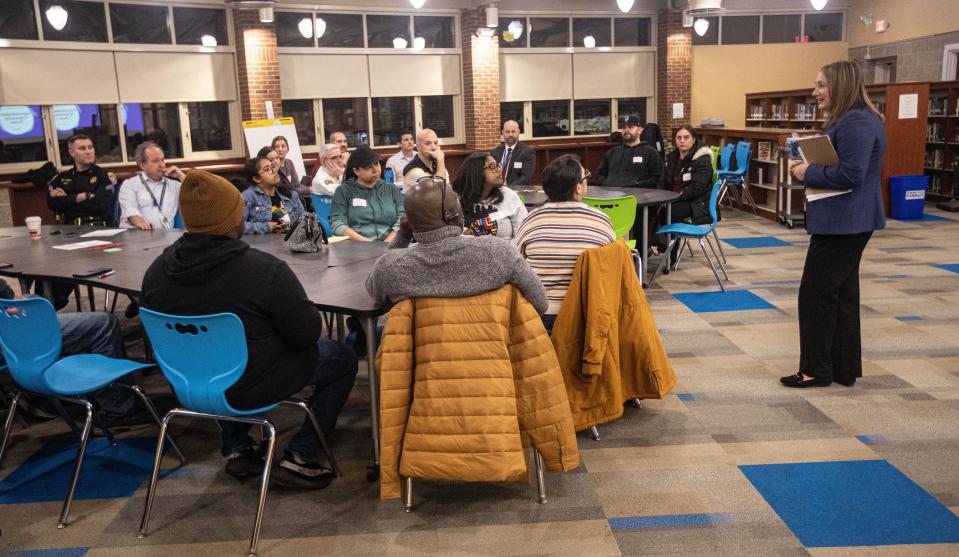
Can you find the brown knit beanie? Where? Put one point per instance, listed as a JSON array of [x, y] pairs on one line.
[[210, 204]]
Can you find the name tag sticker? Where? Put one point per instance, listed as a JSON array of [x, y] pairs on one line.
[[357, 202], [637, 159], [688, 176], [497, 215], [517, 165]]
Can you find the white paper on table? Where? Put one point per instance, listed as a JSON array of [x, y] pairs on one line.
[[909, 106], [102, 233], [81, 245], [335, 239]]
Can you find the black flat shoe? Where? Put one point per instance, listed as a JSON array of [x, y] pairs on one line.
[[797, 382]]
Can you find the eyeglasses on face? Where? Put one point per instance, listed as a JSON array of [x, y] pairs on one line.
[[269, 169], [493, 166], [586, 175]]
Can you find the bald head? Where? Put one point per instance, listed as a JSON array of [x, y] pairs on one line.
[[431, 204], [426, 143], [510, 132]]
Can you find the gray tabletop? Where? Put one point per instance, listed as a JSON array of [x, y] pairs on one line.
[[644, 197]]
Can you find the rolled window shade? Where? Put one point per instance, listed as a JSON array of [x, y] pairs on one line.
[[324, 76], [605, 75], [531, 77], [79, 77], [176, 77], [401, 75]]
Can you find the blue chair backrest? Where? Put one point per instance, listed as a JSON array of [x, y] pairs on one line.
[[321, 206], [742, 156], [30, 340], [201, 356], [713, 201], [178, 221], [726, 156]]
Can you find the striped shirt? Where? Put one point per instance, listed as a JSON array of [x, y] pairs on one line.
[[551, 239]]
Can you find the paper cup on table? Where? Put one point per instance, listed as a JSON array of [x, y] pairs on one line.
[[33, 226]]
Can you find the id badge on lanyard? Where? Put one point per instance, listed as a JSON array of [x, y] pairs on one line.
[[159, 205]]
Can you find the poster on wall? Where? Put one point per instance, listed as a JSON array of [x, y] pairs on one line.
[[262, 133]]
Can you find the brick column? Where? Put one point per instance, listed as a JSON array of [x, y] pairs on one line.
[[673, 69], [258, 68], [480, 82]]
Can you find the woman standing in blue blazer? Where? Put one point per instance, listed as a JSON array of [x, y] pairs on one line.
[[829, 337]]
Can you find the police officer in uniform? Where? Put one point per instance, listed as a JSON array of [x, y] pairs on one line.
[[85, 194]]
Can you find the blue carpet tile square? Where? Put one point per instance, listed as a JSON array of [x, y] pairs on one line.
[[667, 521], [55, 552], [109, 472], [871, 439], [777, 282], [690, 396], [756, 242], [953, 267], [909, 318], [855, 503], [934, 218], [730, 300]]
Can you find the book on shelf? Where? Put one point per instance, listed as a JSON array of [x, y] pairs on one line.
[[935, 131], [818, 149], [937, 106], [764, 151]]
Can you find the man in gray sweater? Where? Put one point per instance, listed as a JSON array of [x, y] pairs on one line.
[[444, 263]]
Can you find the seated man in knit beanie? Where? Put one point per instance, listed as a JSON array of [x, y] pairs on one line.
[[443, 263], [210, 270]]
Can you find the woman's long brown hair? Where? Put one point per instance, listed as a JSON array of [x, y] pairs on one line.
[[847, 89]]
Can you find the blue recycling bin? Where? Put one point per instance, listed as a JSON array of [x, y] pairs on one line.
[[907, 195]]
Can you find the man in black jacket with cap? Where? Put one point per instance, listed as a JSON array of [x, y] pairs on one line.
[[634, 164], [210, 270]]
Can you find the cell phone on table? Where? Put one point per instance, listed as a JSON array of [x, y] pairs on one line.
[[5, 265], [94, 272]]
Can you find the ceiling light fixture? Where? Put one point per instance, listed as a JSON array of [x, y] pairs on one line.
[[417, 3], [419, 43], [266, 15], [208, 40], [589, 41], [305, 27], [818, 4], [701, 26], [57, 16], [515, 29], [399, 42], [320, 27], [625, 5], [492, 16]]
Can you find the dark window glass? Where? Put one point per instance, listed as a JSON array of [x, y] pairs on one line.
[[740, 29], [550, 118], [632, 31], [633, 106], [17, 20], [548, 31], [823, 27], [711, 36], [292, 30], [302, 113], [86, 21], [596, 27], [781, 28], [99, 121], [591, 117], [139, 24], [347, 116], [438, 115], [512, 111], [513, 32], [392, 117], [382, 29], [21, 134], [340, 30], [156, 122], [210, 126], [192, 24], [436, 30]]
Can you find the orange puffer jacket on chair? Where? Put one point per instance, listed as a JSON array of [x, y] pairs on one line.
[[466, 385]]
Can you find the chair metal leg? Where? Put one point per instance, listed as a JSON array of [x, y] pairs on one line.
[[340, 327], [303, 405], [8, 423], [594, 433], [718, 243], [540, 480], [92, 298], [156, 417], [679, 255], [264, 485], [663, 261], [638, 403], [151, 489], [709, 260], [369, 326], [97, 421], [63, 414], [81, 451], [688, 248], [722, 266], [408, 495]]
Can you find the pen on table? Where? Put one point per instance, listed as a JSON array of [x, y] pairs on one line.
[[106, 274]]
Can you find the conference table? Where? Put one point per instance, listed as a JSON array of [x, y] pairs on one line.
[[334, 279], [645, 198]]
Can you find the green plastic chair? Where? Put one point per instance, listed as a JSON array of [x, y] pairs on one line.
[[620, 210]]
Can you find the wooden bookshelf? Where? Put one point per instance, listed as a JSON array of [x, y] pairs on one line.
[[942, 139], [794, 109]]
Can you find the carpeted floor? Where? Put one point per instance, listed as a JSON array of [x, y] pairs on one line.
[[730, 463]]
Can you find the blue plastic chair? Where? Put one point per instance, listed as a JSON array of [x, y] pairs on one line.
[[321, 206], [30, 339], [681, 231], [178, 221], [200, 384], [733, 179]]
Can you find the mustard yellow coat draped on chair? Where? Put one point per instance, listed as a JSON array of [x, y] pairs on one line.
[[606, 339], [466, 385]]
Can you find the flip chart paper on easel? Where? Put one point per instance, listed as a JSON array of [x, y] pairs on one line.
[[909, 106]]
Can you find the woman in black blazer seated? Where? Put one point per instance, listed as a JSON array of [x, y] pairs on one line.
[[829, 338]]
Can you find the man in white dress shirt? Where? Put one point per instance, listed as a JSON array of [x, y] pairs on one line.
[[149, 200], [399, 161]]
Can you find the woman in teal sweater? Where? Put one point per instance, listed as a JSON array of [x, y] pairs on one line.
[[365, 207]]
